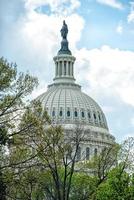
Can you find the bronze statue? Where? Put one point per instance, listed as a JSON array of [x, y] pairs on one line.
[[64, 43], [64, 30]]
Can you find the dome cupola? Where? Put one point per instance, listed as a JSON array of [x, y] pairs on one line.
[[64, 61]]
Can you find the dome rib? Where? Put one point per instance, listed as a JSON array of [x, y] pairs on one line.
[[49, 93], [59, 105], [52, 106], [70, 93]]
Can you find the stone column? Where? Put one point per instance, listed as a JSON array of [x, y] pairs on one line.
[[67, 74], [62, 67], [58, 68], [71, 68], [55, 69]]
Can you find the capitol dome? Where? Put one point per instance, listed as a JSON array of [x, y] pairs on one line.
[[68, 106]]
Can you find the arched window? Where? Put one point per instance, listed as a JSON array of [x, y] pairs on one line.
[[68, 113], [75, 113], [94, 116], [89, 115], [87, 153], [61, 113], [95, 152], [53, 113], [99, 116], [82, 114], [78, 156]]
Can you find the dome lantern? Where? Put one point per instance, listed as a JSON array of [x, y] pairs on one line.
[[64, 61]]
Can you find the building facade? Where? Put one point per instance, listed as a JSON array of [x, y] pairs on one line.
[[68, 106]]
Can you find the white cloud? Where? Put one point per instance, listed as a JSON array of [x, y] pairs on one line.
[[131, 14], [60, 7], [119, 29], [108, 71], [108, 109], [111, 3]]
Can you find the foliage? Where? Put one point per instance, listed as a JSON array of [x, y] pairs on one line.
[[14, 87], [118, 186], [83, 186], [43, 144]]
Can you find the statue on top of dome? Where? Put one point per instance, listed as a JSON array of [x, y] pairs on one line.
[[64, 30], [64, 43]]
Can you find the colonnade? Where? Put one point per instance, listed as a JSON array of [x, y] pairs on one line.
[[64, 66]]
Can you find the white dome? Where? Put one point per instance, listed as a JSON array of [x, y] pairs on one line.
[[65, 103]]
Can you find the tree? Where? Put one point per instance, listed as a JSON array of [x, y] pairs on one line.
[[117, 186], [14, 88], [83, 186], [116, 181], [44, 145], [2, 183]]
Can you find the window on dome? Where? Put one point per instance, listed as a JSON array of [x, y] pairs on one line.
[[99, 117], [68, 113], [78, 156], [53, 113], [75, 113], [95, 152], [61, 113], [82, 114], [94, 116], [89, 115], [87, 153]]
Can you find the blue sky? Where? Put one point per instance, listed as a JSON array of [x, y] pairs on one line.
[[100, 35]]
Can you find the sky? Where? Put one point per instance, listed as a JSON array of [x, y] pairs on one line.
[[101, 37]]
